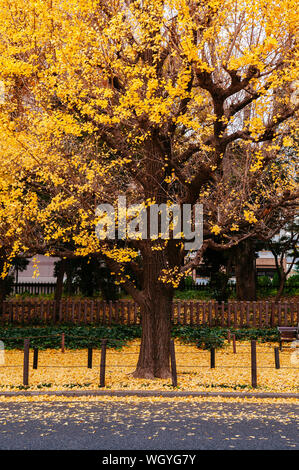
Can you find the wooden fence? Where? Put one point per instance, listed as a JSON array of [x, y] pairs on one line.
[[231, 314]]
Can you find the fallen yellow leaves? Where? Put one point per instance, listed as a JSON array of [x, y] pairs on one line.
[[68, 370], [136, 399]]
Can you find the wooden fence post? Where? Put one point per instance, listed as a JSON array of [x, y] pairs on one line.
[[191, 314], [179, 312], [222, 313], [129, 312], [89, 358], [276, 355], [210, 314], [35, 358], [173, 365], [103, 363], [253, 364], [212, 358], [272, 315], [228, 336], [185, 312], [26, 362]]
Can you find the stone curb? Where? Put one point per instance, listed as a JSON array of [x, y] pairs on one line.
[[147, 393]]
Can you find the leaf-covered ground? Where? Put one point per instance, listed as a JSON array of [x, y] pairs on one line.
[[68, 370]]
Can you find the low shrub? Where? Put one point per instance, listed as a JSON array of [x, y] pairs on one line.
[[81, 337], [208, 337], [192, 295], [76, 337]]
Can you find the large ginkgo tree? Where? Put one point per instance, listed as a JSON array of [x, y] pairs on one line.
[[161, 101]]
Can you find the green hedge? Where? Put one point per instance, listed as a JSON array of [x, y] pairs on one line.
[[80, 337], [207, 337], [76, 337]]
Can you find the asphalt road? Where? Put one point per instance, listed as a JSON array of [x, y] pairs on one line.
[[148, 426]]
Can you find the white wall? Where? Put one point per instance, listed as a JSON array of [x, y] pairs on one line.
[[45, 269]]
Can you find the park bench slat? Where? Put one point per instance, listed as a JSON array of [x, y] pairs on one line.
[[287, 333]]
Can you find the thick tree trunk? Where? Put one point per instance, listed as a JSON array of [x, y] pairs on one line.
[[282, 282], [59, 286], [3, 289], [155, 340], [2, 295], [69, 271], [154, 355], [245, 271]]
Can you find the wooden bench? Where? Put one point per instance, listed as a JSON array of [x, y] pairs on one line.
[[287, 333]]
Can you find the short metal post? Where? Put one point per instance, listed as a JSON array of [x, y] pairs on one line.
[[234, 344], [212, 358], [253, 364], [276, 355], [62, 342], [103, 363], [89, 358], [35, 358], [26, 362], [173, 365]]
